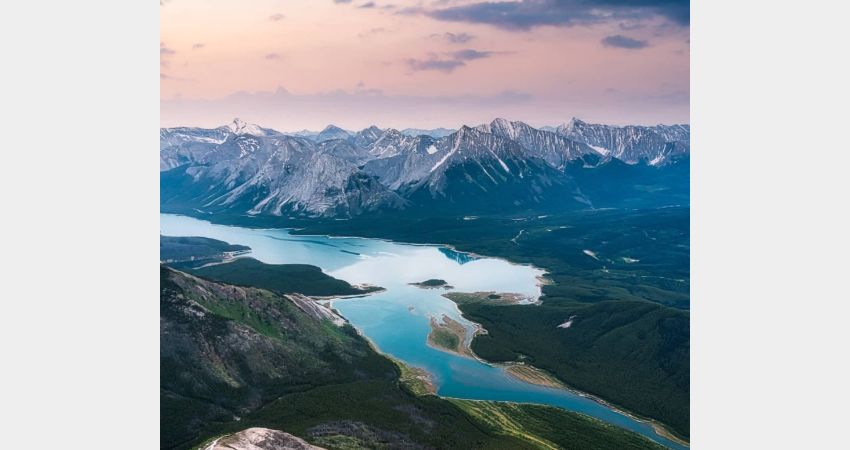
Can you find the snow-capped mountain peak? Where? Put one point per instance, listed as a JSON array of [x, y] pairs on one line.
[[502, 164], [239, 126], [655, 145]]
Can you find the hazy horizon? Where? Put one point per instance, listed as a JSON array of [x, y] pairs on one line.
[[423, 64], [401, 128]]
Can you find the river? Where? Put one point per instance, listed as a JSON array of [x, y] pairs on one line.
[[397, 320]]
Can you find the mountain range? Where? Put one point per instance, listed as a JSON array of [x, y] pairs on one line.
[[502, 166]]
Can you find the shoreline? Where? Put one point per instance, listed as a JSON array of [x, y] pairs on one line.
[[553, 382], [540, 283], [541, 279], [453, 328], [346, 296], [659, 428]]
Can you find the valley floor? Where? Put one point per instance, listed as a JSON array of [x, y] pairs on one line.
[[615, 305]]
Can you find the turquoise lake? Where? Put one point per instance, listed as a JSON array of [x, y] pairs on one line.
[[397, 320]]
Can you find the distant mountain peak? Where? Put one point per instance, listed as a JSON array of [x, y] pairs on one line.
[[337, 172], [572, 124], [332, 127], [655, 145], [435, 133], [332, 132], [239, 126]]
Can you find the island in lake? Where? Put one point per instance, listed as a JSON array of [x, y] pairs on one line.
[[450, 335], [433, 283]]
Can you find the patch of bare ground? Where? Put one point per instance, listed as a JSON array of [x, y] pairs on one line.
[[533, 375]]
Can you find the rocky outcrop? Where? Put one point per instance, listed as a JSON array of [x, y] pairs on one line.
[[261, 439]]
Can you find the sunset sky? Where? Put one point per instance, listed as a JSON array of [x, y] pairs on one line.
[[296, 64]]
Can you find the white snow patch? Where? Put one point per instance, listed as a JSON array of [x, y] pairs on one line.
[[591, 253], [239, 126], [207, 140], [488, 174], [247, 146], [450, 153], [601, 150], [568, 323], [504, 166], [431, 150], [656, 160]]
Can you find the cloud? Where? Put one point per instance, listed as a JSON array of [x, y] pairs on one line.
[[164, 54], [523, 15], [164, 50], [470, 54], [277, 17], [372, 32], [410, 11], [165, 76], [454, 38], [442, 65], [455, 60], [338, 2], [273, 56], [198, 46], [620, 41], [367, 5]]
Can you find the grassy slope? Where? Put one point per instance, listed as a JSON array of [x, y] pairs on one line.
[[256, 355], [634, 354], [226, 350], [185, 247], [549, 428], [284, 278], [445, 339], [434, 422]]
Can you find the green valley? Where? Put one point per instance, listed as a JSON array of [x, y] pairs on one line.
[[237, 357], [624, 273]]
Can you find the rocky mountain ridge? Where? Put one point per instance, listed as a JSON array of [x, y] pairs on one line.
[[249, 169]]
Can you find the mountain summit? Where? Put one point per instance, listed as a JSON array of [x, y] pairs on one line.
[[239, 126], [504, 165], [332, 132]]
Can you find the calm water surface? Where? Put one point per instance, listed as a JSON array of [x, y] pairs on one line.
[[397, 320]]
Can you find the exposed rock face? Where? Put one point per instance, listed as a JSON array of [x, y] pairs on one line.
[[551, 147], [332, 132], [261, 439], [656, 145], [246, 169], [272, 175]]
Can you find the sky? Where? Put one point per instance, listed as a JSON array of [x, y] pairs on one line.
[[304, 64]]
